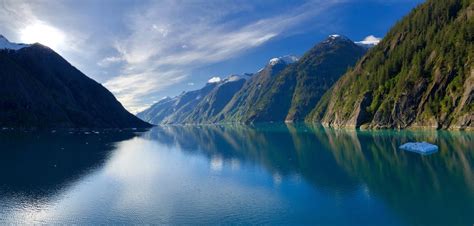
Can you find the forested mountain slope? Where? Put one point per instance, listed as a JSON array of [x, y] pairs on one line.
[[294, 92], [420, 75]]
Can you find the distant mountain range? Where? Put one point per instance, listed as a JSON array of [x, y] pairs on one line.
[[38, 88], [199, 106], [286, 89], [419, 75]]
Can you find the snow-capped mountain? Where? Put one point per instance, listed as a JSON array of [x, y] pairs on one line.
[[236, 77], [336, 37], [230, 78], [291, 92], [288, 59], [5, 44]]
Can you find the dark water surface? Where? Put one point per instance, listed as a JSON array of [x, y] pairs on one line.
[[273, 174]]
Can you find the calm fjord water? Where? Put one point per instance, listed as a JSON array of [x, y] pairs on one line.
[[276, 174]]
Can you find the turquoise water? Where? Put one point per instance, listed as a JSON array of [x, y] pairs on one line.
[[266, 174]]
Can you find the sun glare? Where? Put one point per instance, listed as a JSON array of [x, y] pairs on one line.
[[42, 33]]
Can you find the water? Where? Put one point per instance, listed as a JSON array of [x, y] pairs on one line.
[[266, 174]]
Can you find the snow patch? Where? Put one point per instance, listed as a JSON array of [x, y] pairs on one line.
[[288, 59], [5, 44], [215, 79], [234, 78], [339, 37], [336, 37]]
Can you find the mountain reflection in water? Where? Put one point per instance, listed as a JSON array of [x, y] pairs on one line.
[[269, 173]]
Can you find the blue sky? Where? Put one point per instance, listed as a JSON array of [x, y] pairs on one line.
[[144, 50]]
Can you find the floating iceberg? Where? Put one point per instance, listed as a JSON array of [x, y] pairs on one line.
[[420, 147]]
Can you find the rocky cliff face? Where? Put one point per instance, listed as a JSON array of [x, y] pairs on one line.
[[38, 88], [420, 75]]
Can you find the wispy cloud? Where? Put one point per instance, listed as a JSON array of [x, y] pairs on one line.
[[106, 62], [170, 38]]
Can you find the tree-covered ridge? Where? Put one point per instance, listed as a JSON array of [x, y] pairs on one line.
[[420, 75], [297, 89], [243, 102]]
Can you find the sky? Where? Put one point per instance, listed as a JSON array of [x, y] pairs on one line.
[[144, 50]]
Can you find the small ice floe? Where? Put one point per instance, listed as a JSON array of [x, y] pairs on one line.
[[420, 147], [87, 133]]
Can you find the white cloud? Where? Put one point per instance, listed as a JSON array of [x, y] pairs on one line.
[[127, 88], [370, 40]]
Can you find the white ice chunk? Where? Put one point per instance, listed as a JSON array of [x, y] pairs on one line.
[[420, 147]]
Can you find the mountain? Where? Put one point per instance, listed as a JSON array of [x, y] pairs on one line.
[[244, 100], [158, 111], [185, 103], [7, 45], [286, 89], [420, 75], [198, 106], [294, 92], [38, 88], [216, 100]]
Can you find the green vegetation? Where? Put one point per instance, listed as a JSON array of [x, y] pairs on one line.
[[420, 75], [242, 104], [296, 90]]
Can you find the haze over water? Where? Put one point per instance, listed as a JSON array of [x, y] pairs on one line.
[[272, 173]]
